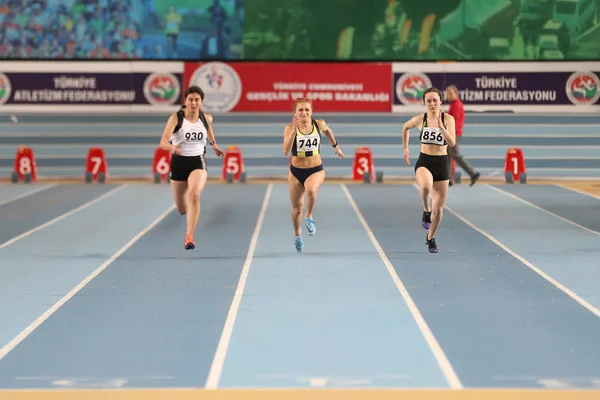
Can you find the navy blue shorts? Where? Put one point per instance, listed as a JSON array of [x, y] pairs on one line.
[[302, 174]]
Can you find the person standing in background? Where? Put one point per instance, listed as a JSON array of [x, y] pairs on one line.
[[457, 110], [172, 27], [218, 16]]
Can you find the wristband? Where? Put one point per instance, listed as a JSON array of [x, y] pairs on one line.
[[334, 145]]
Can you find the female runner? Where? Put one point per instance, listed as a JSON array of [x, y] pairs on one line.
[[186, 135], [437, 132], [303, 138]]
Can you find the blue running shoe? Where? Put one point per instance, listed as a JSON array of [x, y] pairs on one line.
[[299, 243], [310, 225], [431, 244], [426, 220]]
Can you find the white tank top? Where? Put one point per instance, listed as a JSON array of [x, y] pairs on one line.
[[191, 138]]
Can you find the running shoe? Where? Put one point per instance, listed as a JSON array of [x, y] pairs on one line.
[[189, 243], [426, 220], [310, 225], [299, 243], [431, 244]]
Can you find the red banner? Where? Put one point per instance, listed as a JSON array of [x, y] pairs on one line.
[[272, 87]]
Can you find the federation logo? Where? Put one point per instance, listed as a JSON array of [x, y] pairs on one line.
[[583, 88], [162, 88], [5, 88], [221, 84], [410, 88]]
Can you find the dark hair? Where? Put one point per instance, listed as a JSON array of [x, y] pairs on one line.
[[433, 90], [194, 89]]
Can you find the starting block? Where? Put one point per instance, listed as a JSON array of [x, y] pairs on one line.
[[363, 168], [161, 165], [514, 166], [96, 168], [25, 168], [230, 178], [233, 166]]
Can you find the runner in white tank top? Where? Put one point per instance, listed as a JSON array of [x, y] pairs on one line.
[[191, 138], [188, 165]]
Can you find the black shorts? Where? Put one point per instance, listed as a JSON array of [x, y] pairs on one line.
[[437, 165], [182, 166], [302, 174]]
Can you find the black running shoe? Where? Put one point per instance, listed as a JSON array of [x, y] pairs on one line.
[[431, 244], [426, 220]]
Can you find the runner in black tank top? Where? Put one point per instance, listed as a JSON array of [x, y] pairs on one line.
[[437, 132]]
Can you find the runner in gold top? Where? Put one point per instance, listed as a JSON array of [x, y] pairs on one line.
[[303, 138]]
